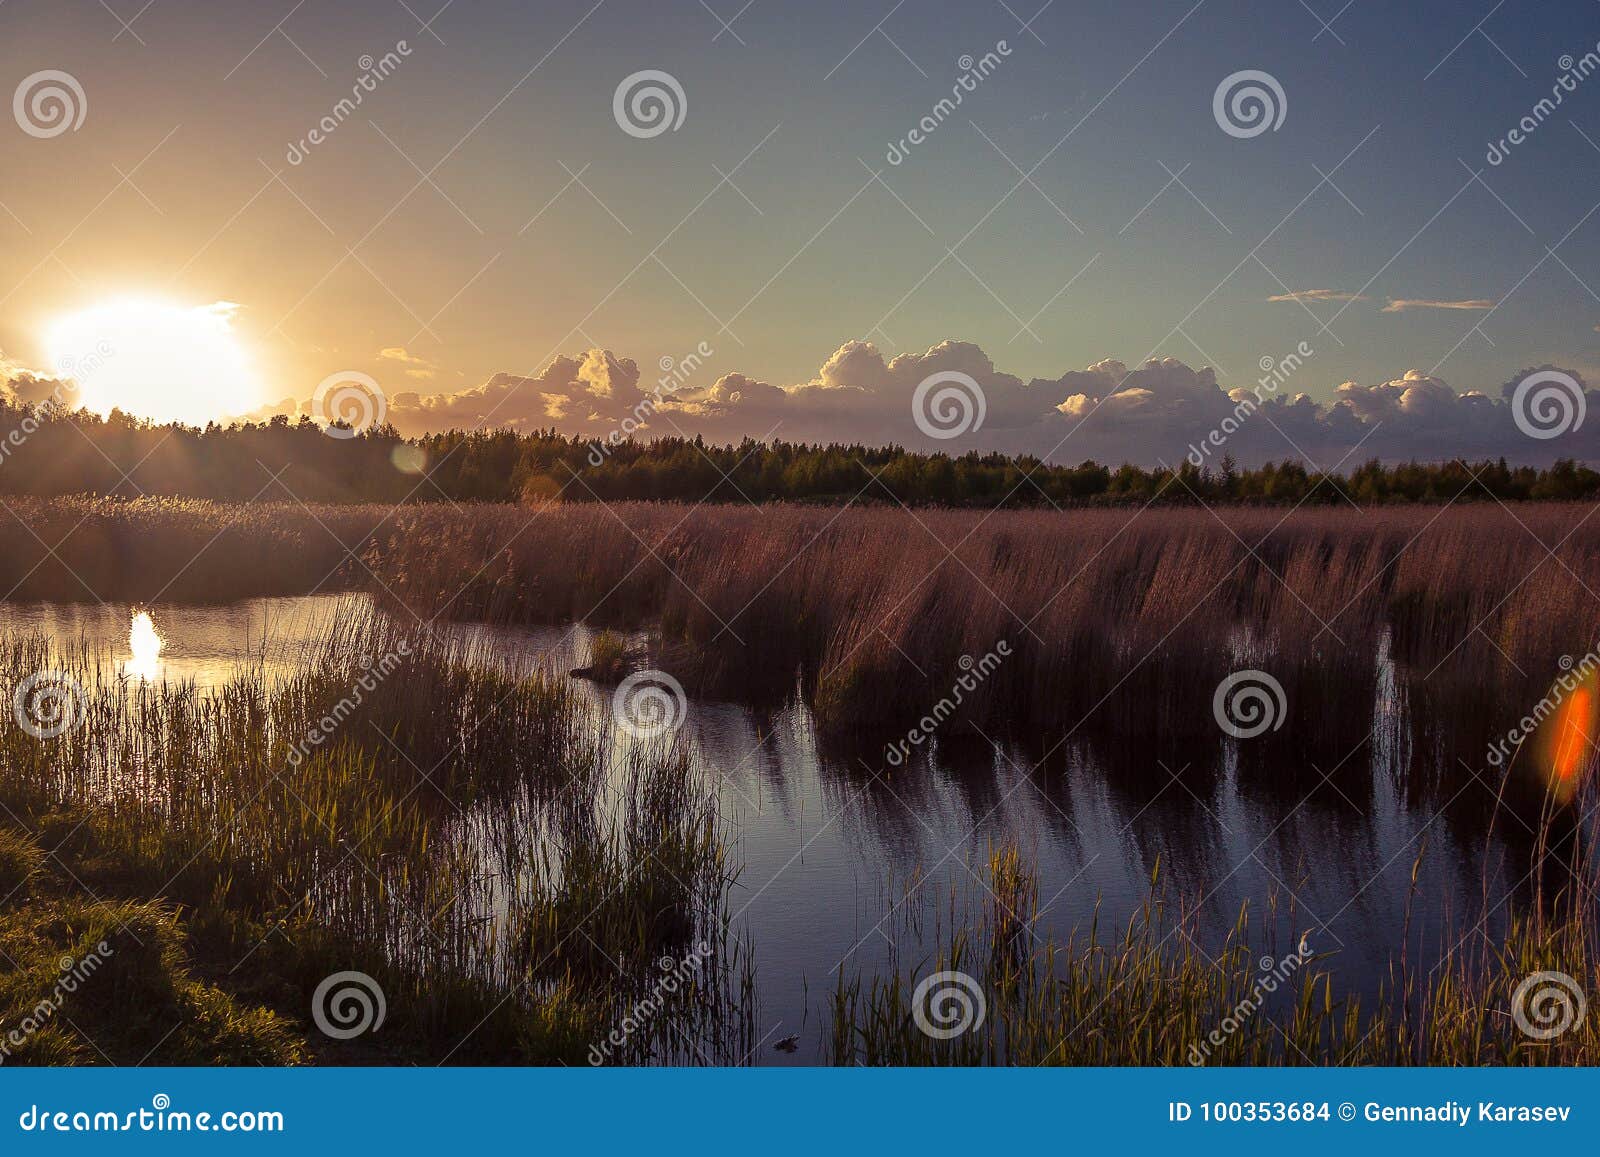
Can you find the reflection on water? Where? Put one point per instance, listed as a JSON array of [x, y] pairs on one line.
[[829, 852], [146, 645]]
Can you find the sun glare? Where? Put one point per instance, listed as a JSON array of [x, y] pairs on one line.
[[156, 360], [146, 646]]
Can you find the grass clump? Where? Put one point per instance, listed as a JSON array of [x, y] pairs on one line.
[[1150, 995], [20, 860], [113, 983]]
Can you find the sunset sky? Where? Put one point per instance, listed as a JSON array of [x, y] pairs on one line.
[[483, 212]]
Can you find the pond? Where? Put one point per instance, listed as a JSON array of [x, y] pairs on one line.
[[846, 866]]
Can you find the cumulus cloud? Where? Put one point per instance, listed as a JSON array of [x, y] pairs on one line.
[[1402, 304], [20, 385], [1317, 295], [1162, 411], [586, 395]]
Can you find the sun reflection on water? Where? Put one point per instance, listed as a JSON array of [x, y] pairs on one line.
[[146, 647]]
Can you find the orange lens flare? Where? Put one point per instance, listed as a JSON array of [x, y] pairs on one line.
[[1569, 738], [1574, 733]]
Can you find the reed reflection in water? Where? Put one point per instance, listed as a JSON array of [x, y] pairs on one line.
[[829, 852]]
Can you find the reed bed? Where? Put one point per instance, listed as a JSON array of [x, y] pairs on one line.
[[1120, 623], [444, 831], [93, 549]]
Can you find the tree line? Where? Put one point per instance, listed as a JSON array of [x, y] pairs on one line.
[[51, 452]]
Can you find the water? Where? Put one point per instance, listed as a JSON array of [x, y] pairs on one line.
[[844, 871]]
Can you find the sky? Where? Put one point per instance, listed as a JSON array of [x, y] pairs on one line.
[[495, 235]]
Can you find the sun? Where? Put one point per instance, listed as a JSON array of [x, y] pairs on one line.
[[156, 359]]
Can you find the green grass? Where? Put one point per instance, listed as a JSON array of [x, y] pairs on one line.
[[1147, 994], [453, 819]]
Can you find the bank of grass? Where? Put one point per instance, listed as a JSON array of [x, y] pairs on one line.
[[1149, 994], [433, 822], [89, 982]]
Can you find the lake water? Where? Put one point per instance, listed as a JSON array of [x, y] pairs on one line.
[[842, 869]]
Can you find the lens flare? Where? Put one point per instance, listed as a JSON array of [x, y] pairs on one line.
[[1567, 737]]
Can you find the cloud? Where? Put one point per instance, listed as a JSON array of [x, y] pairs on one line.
[[20, 385], [1161, 411], [1401, 304], [419, 367], [1317, 295]]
